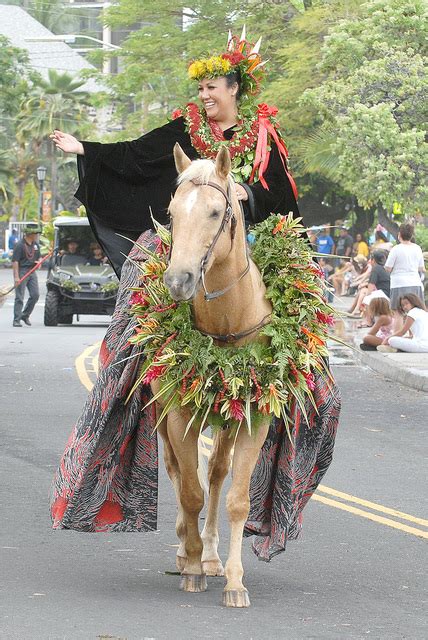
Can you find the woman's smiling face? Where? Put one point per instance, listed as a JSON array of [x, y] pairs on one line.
[[218, 99]]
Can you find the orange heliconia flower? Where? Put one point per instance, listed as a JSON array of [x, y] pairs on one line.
[[279, 227]]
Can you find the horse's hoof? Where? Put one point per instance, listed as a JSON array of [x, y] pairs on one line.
[[193, 583], [180, 562], [235, 598], [213, 567]]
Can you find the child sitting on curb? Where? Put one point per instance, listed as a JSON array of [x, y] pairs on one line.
[[380, 310], [416, 323]]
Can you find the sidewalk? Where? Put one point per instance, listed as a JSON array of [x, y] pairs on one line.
[[408, 369]]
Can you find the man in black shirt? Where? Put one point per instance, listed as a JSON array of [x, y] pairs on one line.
[[25, 256], [379, 277]]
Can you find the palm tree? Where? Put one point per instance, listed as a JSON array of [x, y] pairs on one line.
[[56, 103]]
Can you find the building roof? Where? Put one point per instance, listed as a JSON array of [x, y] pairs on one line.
[[17, 25]]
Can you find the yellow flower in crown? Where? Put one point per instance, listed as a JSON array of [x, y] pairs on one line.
[[240, 56]]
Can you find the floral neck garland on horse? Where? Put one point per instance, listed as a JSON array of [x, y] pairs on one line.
[[227, 384]]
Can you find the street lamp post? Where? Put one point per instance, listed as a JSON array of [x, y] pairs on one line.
[[41, 175]]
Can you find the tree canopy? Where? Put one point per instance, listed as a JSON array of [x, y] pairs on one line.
[[373, 97]]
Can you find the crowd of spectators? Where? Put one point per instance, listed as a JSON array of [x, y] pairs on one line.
[[383, 280]]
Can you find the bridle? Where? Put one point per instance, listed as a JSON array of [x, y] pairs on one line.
[[228, 216]]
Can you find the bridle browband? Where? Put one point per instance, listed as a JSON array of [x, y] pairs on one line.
[[228, 216]]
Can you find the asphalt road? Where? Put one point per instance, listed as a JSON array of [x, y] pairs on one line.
[[351, 575]]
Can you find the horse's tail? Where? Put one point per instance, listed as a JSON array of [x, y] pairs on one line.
[[203, 468]]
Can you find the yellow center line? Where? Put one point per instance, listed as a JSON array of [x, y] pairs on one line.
[[372, 505], [87, 363], [371, 516]]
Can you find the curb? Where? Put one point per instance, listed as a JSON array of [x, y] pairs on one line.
[[383, 363]]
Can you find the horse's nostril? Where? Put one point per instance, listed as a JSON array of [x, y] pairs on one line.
[[179, 283]]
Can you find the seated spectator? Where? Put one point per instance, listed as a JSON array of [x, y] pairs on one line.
[[344, 277], [361, 248], [361, 283], [97, 256], [416, 324], [378, 284], [380, 311]]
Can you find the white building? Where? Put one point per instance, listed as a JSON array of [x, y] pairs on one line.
[[44, 53]]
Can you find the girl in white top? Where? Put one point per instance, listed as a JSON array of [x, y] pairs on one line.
[[416, 324]]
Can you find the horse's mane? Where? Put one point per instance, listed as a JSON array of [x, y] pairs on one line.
[[200, 171]]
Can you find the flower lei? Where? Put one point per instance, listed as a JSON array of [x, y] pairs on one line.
[[242, 147], [224, 384]]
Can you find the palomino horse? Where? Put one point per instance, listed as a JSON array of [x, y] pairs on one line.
[[209, 254]]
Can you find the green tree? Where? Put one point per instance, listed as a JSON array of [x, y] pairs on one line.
[[373, 97]]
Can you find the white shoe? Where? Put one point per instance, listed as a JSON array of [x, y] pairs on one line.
[[385, 348]]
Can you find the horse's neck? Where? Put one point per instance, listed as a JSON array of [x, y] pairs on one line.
[[241, 307]]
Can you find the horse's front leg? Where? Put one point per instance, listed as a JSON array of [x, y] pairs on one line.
[[191, 499], [247, 449], [173, 471], [218, 467]]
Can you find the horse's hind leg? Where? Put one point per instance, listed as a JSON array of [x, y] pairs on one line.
[[247, 449], [191, 499], [173, 471], [218, 467]]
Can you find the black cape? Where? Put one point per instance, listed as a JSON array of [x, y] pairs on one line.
[[122, 182]]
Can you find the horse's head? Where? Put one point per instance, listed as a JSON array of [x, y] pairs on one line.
[[202, 221]]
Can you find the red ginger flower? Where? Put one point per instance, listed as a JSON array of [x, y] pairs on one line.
[[310, 380], [153, 373], [139, 297], [324, 318], [236, 410]]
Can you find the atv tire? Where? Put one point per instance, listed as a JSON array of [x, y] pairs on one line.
[[51, 308]]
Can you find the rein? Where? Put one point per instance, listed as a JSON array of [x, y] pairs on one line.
[[228, 216]]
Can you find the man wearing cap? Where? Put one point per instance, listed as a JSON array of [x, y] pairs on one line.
[[25, 256]]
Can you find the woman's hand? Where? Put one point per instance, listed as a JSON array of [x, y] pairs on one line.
[[240, 192], [67, 143]]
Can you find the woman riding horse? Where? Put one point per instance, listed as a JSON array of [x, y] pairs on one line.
[[107, 479]]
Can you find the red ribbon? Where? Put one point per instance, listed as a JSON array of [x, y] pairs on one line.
[[262, 155]]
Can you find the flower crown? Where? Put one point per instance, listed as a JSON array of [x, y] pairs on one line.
[[241, 56]]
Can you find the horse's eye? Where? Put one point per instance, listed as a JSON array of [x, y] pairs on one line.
[[215, 214]]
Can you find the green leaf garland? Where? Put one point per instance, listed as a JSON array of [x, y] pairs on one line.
[[228, 385]]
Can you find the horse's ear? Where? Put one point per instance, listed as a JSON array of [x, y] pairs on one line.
[[182, 162], [222, 163]]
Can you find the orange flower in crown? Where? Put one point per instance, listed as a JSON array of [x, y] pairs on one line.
[[241, 56]]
